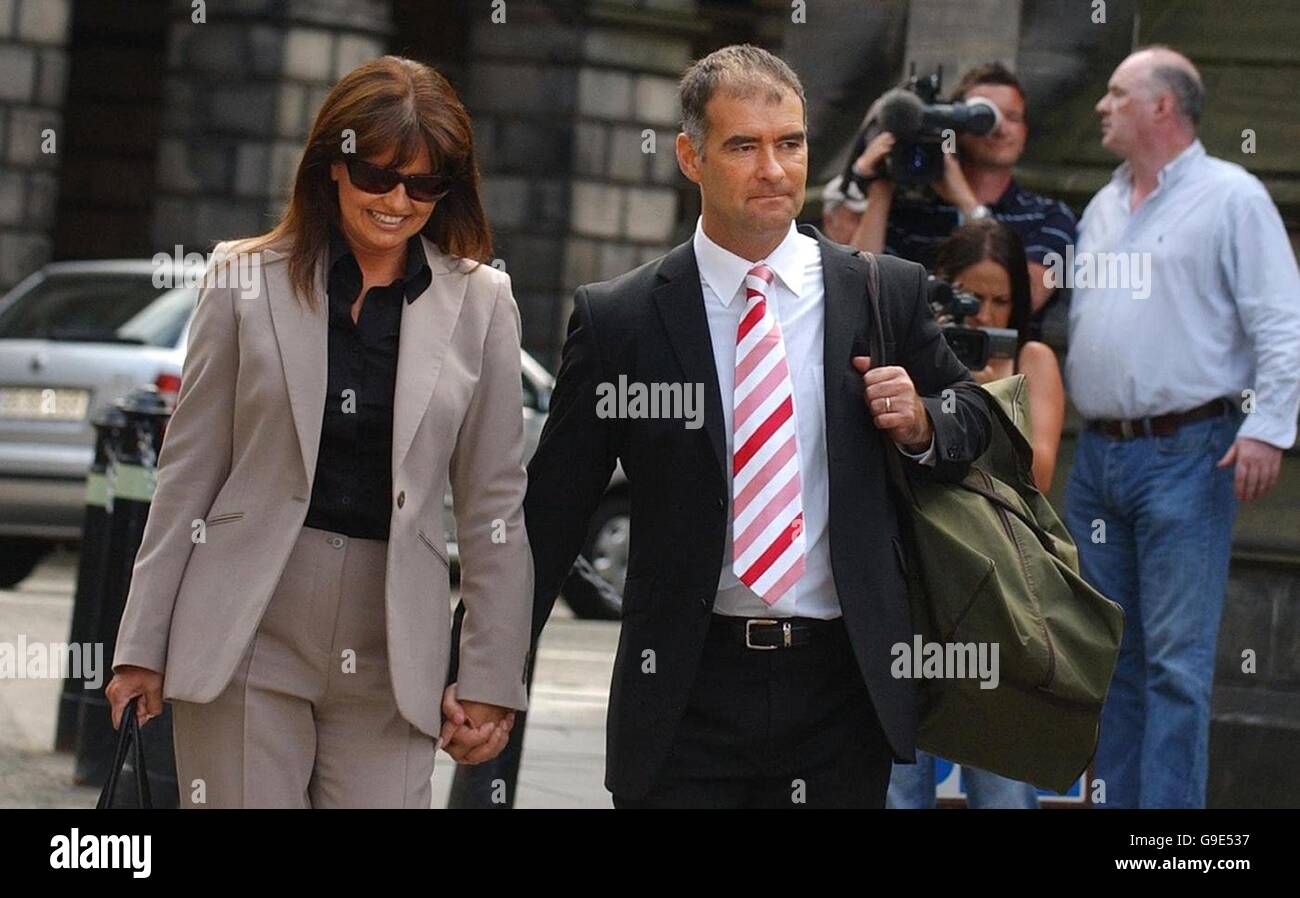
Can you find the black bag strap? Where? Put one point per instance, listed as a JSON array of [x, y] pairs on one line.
[[893, 463], [128, 736]]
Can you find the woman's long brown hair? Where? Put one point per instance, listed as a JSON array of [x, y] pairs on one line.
[[390, 103]]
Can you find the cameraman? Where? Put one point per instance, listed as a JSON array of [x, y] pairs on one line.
[[977, 185]]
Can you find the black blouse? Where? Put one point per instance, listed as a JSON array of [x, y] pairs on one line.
[[352, 489]]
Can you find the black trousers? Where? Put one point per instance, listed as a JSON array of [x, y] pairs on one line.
[[787, 728]]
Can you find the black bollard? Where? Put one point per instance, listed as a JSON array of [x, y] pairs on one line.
[[91, 569], [132, 472], [493, 784]]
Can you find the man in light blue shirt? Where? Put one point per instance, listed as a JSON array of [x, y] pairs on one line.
[[1184, 361]]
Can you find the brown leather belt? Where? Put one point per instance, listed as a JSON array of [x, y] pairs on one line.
[[1160, 425]]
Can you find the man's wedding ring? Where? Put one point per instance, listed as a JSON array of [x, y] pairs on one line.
[[889, 406]]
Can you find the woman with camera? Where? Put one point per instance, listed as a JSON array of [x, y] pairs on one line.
[[985, 258]]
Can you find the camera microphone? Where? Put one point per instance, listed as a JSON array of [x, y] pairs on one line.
[[920, 127], [978, 115], [901, 113]]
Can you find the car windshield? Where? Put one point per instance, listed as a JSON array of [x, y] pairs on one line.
[[99, 308]]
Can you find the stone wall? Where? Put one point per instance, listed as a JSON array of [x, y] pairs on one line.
[[575, 111], [33, 76], [240, 94]]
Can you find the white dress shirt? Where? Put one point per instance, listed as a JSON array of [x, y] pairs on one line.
[[1223, 310], [797, 300]]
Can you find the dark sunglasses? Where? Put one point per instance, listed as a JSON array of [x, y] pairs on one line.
[[376, 179]]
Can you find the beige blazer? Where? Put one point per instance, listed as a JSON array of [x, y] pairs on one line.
[[240, 455]]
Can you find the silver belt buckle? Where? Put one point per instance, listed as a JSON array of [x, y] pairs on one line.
[[749, 624], [1126, 429]]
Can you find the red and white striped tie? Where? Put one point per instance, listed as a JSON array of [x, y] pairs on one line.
[[767, 509]]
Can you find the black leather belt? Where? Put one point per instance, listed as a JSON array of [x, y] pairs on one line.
[[1160, 425], [768, 633]]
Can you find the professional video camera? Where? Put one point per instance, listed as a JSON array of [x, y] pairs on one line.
[[918, 122], [974, 346]]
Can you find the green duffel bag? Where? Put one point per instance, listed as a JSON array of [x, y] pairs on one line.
[[989, 562]]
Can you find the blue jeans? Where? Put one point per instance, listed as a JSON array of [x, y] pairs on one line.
[[913, 786], [1153, 519]]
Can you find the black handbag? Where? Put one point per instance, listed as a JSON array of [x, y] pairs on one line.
[[128, 735]]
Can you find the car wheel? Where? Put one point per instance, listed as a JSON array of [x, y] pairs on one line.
[[606, 549], [18, 558]]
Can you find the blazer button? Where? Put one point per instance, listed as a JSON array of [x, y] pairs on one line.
[[401, 498]]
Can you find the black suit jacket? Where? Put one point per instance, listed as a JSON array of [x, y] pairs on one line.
[[650, 326]]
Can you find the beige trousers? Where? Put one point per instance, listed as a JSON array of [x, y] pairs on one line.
[[309, 718]]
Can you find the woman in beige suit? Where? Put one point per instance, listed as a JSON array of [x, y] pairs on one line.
[[291, 594]]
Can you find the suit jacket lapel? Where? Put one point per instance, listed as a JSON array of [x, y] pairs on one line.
[[680, 301], [427, 326], [302, 335], [303, 338], [844, 279]]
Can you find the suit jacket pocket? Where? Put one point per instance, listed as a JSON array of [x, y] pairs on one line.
[[436, 551], [224, 517]]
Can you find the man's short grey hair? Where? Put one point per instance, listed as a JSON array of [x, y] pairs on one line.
[[1183, 82], [742, 70]]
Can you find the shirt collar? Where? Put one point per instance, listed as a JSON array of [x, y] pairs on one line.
[[1169, 172], [725, 272], [413, 278], [1178, 165], [1010, 197]]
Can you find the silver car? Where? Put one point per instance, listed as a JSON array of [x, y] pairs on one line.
[[77, 336], [74, 337]]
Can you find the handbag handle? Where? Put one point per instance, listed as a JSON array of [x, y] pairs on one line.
[[128, 735]]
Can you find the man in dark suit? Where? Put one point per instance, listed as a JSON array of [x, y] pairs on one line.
[[764, 586]]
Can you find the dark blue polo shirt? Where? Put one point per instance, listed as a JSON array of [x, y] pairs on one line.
[[919, 223]]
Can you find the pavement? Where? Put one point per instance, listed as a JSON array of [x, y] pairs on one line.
[[564, 746]]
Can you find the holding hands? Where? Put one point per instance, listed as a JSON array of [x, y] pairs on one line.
[[473, 732]]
